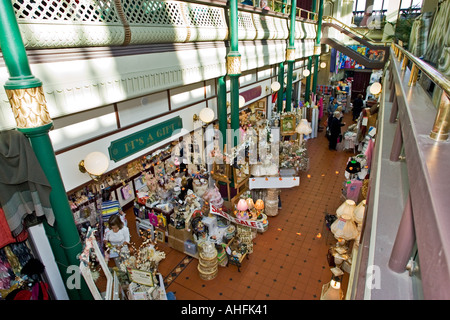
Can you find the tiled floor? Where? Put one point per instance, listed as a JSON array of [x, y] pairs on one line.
[[289, 259]]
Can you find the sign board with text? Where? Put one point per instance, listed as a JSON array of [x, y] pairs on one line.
[[138, 141]]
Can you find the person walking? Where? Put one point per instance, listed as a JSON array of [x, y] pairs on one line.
[[358, 104], [335, 130]]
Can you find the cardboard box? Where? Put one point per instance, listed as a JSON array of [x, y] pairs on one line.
[[180, 234], [176, 243]]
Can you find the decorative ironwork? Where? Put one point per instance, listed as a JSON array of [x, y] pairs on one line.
[[234, 65], [29, 107]]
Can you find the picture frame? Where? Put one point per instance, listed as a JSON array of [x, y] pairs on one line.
[[287, 125], [160, 235]]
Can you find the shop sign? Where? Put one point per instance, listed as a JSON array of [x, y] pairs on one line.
[[138, 141], [248, 223]]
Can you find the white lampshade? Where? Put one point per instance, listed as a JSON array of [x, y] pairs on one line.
[[344, 228], [332, 291], [303, 127], [323, 65], [346, 208], [358, 213], [306, 73], [241, 101], [275, 86], [96, 163], [206, 115], [375, 88]]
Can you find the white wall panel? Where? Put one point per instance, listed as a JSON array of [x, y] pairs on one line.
[[185, 95], [80, 127], [138, 109]]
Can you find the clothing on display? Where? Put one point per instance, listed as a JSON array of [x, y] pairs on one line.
[[24, 188], [353, 189]]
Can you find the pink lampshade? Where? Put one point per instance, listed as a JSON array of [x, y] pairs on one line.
[[242, 205]]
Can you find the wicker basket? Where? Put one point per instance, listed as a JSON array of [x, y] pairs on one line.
[[211, 274]]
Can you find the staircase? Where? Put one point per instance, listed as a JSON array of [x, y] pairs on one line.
[[368, 62]]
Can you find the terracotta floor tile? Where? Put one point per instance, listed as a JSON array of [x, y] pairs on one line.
[[289, 259]]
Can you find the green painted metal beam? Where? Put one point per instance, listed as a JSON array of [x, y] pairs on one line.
[[308, 80], [318, 36], [222, 109], [64, 223], [13, 51], [234, 72], [281, 73], [63, 237], [281, 91], [291, 58]]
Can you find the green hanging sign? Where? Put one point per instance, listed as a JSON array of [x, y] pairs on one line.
[[138, 141]]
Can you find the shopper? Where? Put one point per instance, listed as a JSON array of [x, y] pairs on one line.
[[335, 130], [263, 5], [358, 104], [117, 238]]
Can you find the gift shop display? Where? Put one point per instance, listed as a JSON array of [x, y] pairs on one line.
[[346, 223]]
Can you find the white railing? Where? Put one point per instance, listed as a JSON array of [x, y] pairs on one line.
[[88, 23]]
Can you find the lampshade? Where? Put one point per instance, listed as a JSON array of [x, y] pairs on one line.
[[346, 208], [306, 72], [332, 291], [96, 163], [250, 203], [323, 65], [259, 204], [344, 228], [303, 127], [242, 205], [241, 101], [275, 86], [358, 213], [375, 88], [206, 115]]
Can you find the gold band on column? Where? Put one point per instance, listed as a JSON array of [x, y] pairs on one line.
[[290, 54], [317, 50], [29, 107], [234, 65]]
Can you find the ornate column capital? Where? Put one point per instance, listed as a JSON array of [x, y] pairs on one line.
[[317, 50], [290, 54], [234, 63], [29, 107]]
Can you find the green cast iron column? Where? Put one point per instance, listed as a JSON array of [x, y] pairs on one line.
[[308, 80], [28, 103], [310, 60], [222, 109], [234, 71], [290, 56], [317, 47], [281, 73]]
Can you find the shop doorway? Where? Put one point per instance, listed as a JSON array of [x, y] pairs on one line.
[[361, 80]]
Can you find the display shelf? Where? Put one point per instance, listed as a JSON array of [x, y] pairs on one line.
[[274, 182]]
